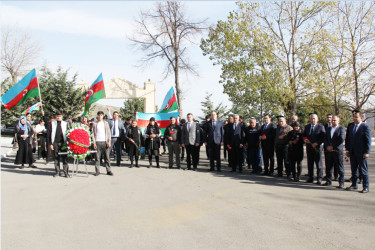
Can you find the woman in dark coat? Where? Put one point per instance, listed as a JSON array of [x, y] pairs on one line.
[[24, 133], [152, 142], [295, 151], [135, 141]]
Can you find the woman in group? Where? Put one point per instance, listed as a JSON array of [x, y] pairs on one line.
[[24, 133], [135, 138], [152, 143], [295, 151]]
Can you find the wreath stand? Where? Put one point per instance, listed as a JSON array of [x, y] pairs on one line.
[[76, 163]]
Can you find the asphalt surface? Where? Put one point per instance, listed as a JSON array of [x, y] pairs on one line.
[[141, 208]]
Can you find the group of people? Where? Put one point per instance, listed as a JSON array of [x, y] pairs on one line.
[[243, 144]]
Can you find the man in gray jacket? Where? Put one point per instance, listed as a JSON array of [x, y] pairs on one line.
[[190, 138], [102, 141]]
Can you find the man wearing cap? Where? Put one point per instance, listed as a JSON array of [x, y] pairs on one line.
[[314, 137], [281, 143], [102, 141], [56, 139], [214, 139], [334, 151], [190, 139], [117, 134], [358, 146], [267, 139]]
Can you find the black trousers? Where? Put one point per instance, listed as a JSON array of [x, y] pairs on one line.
[[214, 154], [116, 142], [268, 159], [335, 168], [293, 162], [282, 159], [314, 156], [60, 158], [335, 160], [236, 158], [192, 155], [42, 146]]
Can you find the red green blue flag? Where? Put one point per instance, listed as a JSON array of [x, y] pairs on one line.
[[162, 119], [169, 103], [30, 109], [26, 88], [95, 93]]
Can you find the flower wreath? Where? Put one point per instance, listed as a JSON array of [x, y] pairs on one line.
[[78, 141]]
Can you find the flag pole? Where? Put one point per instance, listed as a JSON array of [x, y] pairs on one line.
[[40, 99]]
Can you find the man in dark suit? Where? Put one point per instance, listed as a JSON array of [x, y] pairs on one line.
[[190, 139], [314, 134], [235, 140], [228, 127], [267, 139], [333, 148], [253, 146], [214, 139], [117, 134], [358, 146], [326, 126]]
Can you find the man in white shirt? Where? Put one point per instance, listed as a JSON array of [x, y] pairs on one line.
[[118, 131], [102, 141]]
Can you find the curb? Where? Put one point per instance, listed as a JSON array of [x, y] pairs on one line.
[[6, 154]]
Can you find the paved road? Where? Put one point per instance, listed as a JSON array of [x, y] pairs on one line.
[[175, 209]]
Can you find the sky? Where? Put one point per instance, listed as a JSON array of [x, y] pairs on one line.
[[90, 37]]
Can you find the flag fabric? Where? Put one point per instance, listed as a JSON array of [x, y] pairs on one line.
[[162, 119], [30, 109], [169, 103], [26, 88], [95, 93]]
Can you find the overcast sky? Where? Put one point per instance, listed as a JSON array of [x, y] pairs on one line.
[[90, 37]]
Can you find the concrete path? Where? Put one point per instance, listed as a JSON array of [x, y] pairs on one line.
[[143, 208]]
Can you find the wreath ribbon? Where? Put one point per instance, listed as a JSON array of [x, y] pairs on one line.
[[78, 144]]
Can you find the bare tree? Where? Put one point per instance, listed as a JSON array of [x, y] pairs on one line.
[[357, 30], [18, 51], [165, 33]]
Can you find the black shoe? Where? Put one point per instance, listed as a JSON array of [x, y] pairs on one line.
[[170, 167], [110, 173], [96, 174], [365, 190], [270, 174], [178, 167], [189, 168], [351, 188], [296, 179], [131, 166], [319, 183], [310, 180], [67, 175], [327, 184], [265, 173], [158, 166], [137, 166], [33, 166], [279, 175], [22, 167], [195, 169], [211, 169], [340, 187], [56, 175]]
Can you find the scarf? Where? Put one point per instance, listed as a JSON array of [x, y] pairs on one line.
[[24, 127]]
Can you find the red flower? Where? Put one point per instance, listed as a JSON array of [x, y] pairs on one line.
[[264, 135], [304, 138], [79, 136]]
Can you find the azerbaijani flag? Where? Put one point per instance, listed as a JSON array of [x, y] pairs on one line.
[[169, 103], [95, 93], [36, 106], [26, 88], [162, 119]]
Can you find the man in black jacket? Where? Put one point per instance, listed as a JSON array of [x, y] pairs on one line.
[[314, 134], [173, 136], [334, 148], [252, 144], [235, 141], [267, 139]]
